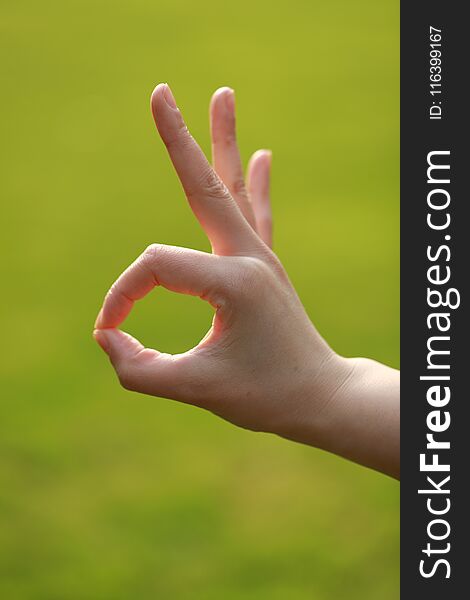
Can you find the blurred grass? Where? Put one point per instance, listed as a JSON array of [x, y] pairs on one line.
[[109, 495]]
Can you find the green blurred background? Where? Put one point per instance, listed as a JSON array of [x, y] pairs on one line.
[[106, 494]]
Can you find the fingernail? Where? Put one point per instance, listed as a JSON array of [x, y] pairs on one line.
[[101, 338], [267, 153], [168, 95], [98, 320], [230, 100]]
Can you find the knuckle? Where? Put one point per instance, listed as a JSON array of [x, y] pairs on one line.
[[238, 187], [152, 252], [224, 132], [255, 272], [151, 249], [179, 138], [230, 136], [265, 272], [152, 259], [225, 137], [212, 185]]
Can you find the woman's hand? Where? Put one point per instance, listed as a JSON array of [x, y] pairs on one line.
[[262, 365]]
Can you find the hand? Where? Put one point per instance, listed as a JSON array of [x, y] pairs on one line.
[[262, 365], [257, 363]]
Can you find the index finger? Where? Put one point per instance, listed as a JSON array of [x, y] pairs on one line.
[[177, 269]]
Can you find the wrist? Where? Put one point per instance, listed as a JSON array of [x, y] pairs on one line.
[[314, 408], [350, 408]]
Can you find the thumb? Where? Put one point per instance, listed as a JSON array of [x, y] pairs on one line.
[[123, 351], [117, 344], [148, 371]]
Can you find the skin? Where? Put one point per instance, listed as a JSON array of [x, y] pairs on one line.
[[262, 365]]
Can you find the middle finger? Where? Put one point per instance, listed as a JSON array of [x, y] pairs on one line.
[[225, 153]]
